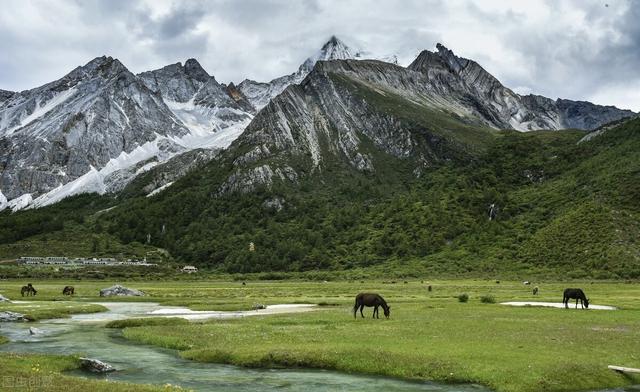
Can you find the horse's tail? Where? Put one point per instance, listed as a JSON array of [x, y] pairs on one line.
[[355, 307]]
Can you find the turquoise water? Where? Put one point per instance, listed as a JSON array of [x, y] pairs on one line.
[[151, 365]]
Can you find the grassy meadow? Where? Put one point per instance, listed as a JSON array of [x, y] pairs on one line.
[[430, 335], [35, 372]]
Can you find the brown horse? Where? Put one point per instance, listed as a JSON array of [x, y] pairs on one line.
[[68, 290], [576, 294], [369, 300], [28, 289]]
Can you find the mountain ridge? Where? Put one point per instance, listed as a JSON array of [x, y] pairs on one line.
[[190, 109]]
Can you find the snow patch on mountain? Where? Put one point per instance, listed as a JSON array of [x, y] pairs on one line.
[[40, 110], [157, 151], [20, 202], [3, 201], [160, 189]]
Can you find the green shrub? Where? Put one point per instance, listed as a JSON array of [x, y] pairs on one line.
[[464, 297], [488, 299]]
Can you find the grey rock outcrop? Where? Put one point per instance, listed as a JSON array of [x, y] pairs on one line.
[[343, 107], [34, 331], [275, 203], [194, 96], [119, 291], [167, 172], [9, 316], [4, 95], [95, 365], [467, 83], [4, 299]]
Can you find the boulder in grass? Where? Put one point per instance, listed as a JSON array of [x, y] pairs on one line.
[[120, 291], [6, 316], [95, 365], [4, 299]]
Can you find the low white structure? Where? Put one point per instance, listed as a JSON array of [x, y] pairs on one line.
[[189, 269], [79, 261]]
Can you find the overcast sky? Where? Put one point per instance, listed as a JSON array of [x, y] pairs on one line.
[[588, 50]]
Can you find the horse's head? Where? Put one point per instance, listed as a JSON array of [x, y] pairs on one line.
[[586, 303], [387, 311]]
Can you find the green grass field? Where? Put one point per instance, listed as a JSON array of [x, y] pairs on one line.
[[34, 372], [430, 334], [49, 310]]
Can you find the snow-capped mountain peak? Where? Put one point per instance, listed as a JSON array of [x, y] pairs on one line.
[[259, 94], [333, 49]]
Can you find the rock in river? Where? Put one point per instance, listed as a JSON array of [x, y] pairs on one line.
[[34, 331], [118, 290], [95, 365], [7, 315]]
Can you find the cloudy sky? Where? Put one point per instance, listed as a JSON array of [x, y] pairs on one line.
[[587, 50]]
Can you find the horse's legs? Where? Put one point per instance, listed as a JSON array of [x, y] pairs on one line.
[[375, 311], [576, 303], [361, 307]]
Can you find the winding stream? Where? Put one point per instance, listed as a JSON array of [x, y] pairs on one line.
[[138, 363]]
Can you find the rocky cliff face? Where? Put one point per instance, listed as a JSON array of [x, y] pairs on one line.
[[101, 126], [201, 103], [4, 95], [466, 81], [349, 111], [440, 108], [56, 133]]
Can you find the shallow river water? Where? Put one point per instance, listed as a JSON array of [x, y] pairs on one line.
[[137, 363]]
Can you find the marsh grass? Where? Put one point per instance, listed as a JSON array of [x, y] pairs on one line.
[[48, 310], [150, 321]]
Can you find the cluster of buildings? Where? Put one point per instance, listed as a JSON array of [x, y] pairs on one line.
[[79, 261]]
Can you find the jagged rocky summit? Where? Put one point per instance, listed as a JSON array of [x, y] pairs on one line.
[[100, 127]]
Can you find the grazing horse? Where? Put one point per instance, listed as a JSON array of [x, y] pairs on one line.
[[28, 289], [576, 294], [68, 290], [371, 299], [535, 290]]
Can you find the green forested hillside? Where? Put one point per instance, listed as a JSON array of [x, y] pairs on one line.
[[564, 208]]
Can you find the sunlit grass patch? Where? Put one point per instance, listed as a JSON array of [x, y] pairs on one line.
[[49, 310]]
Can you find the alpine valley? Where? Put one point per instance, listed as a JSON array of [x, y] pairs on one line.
[[352, 161]]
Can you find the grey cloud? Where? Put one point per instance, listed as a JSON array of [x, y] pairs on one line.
[[572, 49]]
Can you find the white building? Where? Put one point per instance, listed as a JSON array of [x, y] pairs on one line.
[[189, 269]]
